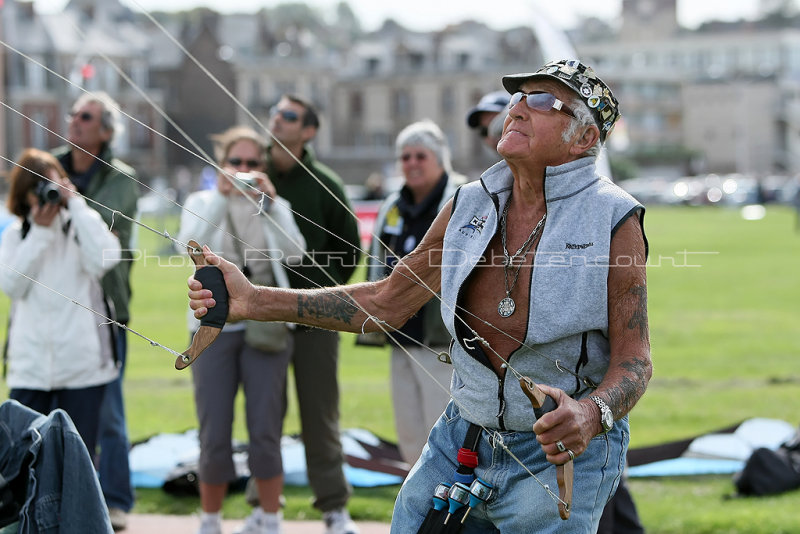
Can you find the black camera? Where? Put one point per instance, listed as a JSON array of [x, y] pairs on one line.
[[48, 193]]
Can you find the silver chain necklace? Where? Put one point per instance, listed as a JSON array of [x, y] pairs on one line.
[[507, 305]]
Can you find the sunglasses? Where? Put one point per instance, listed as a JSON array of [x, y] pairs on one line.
[[83, 116], [251, 163], [483, 131], [420, 156], [540, 102], [286, 114]]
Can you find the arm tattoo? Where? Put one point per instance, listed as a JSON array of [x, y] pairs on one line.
[[328, 305], [623, 397], [639, 318]]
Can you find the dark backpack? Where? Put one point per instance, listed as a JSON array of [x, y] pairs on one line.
[[769, 472]]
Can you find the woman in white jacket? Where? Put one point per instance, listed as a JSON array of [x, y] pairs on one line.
[[59, 354], [244, 220]]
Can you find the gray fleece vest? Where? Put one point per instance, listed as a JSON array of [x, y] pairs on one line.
[[568, 320]]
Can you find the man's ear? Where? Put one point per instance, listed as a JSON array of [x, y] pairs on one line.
[[586, 140], [308, 133], [106, 134]]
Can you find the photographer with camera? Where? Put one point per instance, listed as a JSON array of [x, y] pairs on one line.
[[243, 218], [57, 356]]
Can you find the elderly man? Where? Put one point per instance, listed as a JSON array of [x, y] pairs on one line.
[[93, 122], [567, 310]]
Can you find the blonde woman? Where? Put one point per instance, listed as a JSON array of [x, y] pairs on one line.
[[245, 221]]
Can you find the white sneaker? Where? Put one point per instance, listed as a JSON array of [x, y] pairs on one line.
[[119, 518], [210, 525], [261, 522], [339, 522]]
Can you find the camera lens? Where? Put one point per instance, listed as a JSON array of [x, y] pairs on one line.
[[48, 193]]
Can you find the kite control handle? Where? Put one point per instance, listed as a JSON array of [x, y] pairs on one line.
[[565, 473], [212, 322]]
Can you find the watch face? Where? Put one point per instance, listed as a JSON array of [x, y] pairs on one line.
[[608, 419]]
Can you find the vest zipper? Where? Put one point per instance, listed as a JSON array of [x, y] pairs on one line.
[[502, 402]]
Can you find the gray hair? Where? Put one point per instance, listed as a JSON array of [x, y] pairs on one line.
[[427, 134], [583, 117], [110, 116]]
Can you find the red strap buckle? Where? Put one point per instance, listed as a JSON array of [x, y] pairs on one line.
[[468, 458]]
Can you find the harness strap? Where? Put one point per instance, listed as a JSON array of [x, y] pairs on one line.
[[468, 455]]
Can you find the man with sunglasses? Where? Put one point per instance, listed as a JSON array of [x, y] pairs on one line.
[[487, 118], [566, 310], [93, 121], [326, 220]]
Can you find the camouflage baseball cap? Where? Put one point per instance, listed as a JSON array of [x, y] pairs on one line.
[[581, 79]]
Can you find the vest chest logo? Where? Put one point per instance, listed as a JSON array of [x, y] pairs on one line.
[[581, 246], [475, 226]]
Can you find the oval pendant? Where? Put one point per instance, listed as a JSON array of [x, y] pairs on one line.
[[506, 307]]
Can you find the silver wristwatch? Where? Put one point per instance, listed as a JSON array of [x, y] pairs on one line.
[[606, 417]]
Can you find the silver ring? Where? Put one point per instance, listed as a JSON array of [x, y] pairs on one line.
[[571, 455], [560, 446]]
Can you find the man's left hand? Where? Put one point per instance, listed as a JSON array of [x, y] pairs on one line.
[[572, 423]]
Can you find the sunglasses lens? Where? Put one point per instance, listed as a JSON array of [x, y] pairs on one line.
[[515, 98], [286, 114], [289, 115], [250, 163], [484, 131], [83, 116], [540, 101]]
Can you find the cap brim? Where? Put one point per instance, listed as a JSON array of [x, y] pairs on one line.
[[473, 117], [512, 82]]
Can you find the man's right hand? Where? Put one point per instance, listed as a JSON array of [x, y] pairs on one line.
[[240, 291]]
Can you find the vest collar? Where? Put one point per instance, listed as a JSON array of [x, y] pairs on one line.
[[560, 182]]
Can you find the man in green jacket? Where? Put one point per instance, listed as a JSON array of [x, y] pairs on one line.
[[325, 219], [99, 176]]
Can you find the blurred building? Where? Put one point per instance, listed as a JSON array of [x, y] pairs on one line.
[[91, 44], [720, 99], [394, 76], [367, 86]]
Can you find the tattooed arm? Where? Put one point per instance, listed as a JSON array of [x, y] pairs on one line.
[[575, 423], [630, 366], [393, 300]]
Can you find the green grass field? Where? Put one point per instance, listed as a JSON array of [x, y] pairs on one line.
[[723, 305]]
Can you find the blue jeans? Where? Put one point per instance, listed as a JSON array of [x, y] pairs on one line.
[[114, 469], [520, 502]]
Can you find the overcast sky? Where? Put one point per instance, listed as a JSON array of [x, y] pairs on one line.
[[429, 15]]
